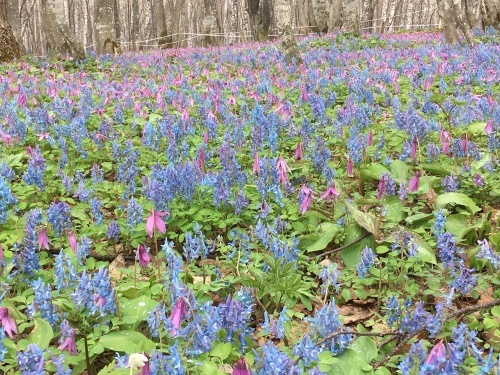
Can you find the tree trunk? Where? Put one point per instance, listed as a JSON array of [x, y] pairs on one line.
[[334, 14], [462, 21], [116, 18], [13, 15], [9, 48], [135, 24], [351, 16], [321, 14], [490, 13], [60, 39], [259, 13], [283, 22], [104, 28], [160, 21], [445, 10], [209, 23]]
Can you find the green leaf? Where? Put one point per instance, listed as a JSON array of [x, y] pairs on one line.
[[327, 233], [350, 255], [352, 363], [138, 308], [399, 171], [127, 341], [221, 350], [365, 347], [495, 311], [443, 200], [365, 219], [42, 333], [373, 172], [395, 210], [424, 250]]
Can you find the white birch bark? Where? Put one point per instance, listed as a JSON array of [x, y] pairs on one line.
[[285, 33]]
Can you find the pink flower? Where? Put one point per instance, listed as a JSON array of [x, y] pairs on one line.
[[437, 354], [42, 136], [330, 193], [43, 240], [241, 368], [69, 344], [185, 114], [72, 241], [256, 165], [413, 151], [349, 167], [369, 139], [445, 140], [413, 185], [305, 199], [178, 313], [299, 153], [488, 129], [8, 324], [381, 187], [201, 159], [205, 137], [303, 94], [282, 168], [142, 256], [464, 144], [155, 220]]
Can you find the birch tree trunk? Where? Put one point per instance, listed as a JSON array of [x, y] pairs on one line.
[[104, 28], [60, 39], [445, 9], [490, 12], [160, 20], [14, 18], [259, 13], [321, 14], [335, 15], [283, 22], [351, 16], [462, 21], [9, 48]]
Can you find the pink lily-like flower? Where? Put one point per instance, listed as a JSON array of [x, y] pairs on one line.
[[282, 168], [413, 185], [72, 241], [437, 354], [413, 151], [488, 129], [179, 311], [8, 324], [201, 159], [43, 240], [464, 144], [369, 138], [205, 137], [22, 100], [299, 152], [185, 114], [142, 256], [155, 220], [305, 199], [330, 193], [42, 136], [256, 165], [241, 368], [7, 139], [381, 187], [303, 94], [69, 344], [349, 167], [445, 140]]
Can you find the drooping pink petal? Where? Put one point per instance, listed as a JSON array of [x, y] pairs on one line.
[[413, 185], [349, 167], [330, 193], [413, 151], [256, 165], [241, 368], [381, 187], [437, 354], [72, 241], [159, 223], [369, 139], [150, 224], [299, 152], [43, 240], [8, 324], [178, 313], [142, 256], [488, 129]]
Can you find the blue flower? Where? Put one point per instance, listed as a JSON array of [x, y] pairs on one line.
[[6, 199], [59, 216], [36, 169], [366, 261], [31, 361]]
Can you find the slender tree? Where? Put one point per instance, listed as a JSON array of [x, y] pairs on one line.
[[285, 33], [104, 28], [351, 16], [259, 12], [9, 47]]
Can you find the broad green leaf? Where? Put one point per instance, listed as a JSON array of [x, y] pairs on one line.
[[326, 235], [139, 307], [127, 341], [424, 250], [443, 200], [399, 171], [352, 363], [373, 172], [221, 350], [42, 333], [365, 219], [350, 255], [395, 209], [365, 347]]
